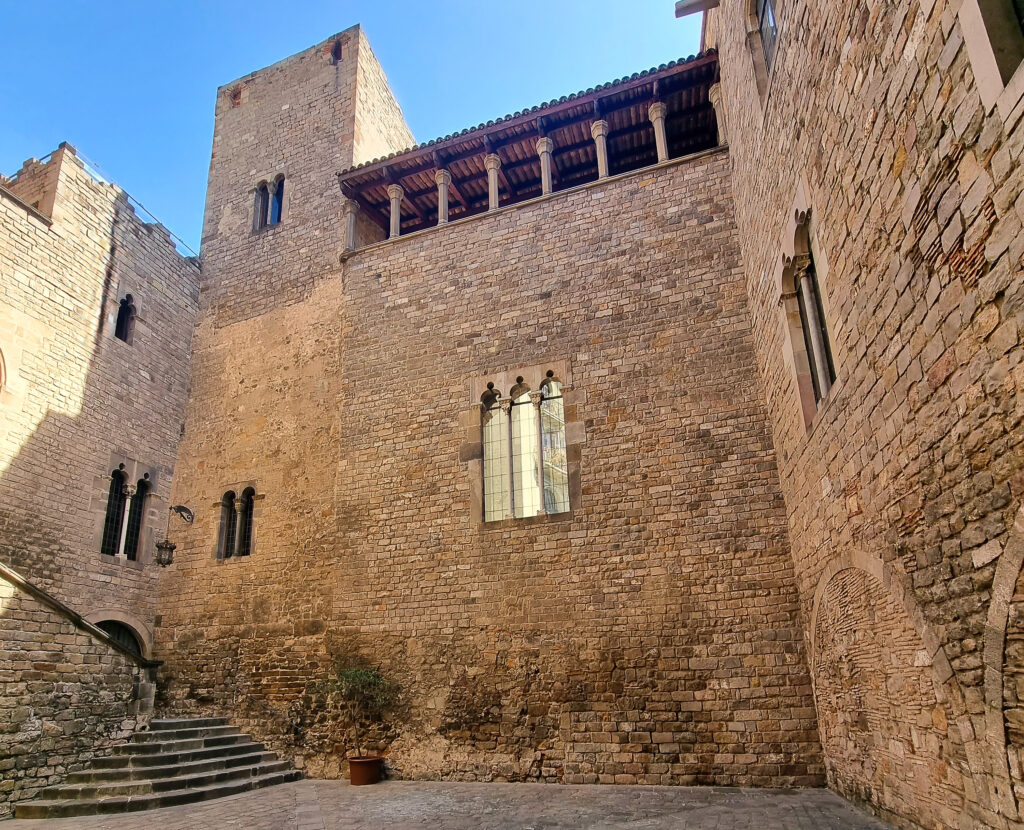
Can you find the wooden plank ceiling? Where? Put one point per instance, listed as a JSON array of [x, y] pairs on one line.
[[690, 126]]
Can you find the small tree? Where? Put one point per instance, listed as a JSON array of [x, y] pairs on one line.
[[366, 694]]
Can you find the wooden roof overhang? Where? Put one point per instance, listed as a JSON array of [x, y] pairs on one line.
[[690, 127]]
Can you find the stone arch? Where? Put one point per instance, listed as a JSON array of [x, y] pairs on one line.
[[143, 633], [946, 730], [1005, 755]]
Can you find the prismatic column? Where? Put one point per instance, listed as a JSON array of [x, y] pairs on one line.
[[599, 130], [444, 180], [350, 209], [395, 194], [715, 96], [656, 112], [493, 165], [544, 148]]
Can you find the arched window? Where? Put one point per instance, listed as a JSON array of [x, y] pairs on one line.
[[556, 463], [245, 522], [524, 449], [226, 537], [277, 201], [768, 29], [125, 325], [136, 516], [262, 208], [114, 519], [336, 53], [497, 496], [812, 322]]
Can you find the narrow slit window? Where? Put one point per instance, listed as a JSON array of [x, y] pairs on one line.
[[226, 548], [125, 325], [136, 516], [114, 518]]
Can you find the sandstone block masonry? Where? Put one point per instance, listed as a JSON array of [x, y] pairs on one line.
[[903, 490], [67, 694], [649, 635], [75, 401]]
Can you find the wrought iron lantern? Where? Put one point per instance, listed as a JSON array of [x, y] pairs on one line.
[[165, 549]]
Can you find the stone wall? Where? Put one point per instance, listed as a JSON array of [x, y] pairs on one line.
[[66, 694], [75, 402], [871, 120], [650, 635]]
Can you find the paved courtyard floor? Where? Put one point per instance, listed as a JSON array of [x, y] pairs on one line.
[[335, 805]]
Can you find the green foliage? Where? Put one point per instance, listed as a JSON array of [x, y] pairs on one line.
[[365, 693]]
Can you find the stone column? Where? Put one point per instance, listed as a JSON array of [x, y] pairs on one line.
[[656, 112], [129, 491], [350, 209], [715, 94], [817, 340], [395, 194], [493, 165], [599, 130], [537, 398], [239, 507], [544, 148], [443, 179]]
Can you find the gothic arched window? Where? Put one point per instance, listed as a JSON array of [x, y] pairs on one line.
[[245, 522], [277, 201], [524, 449], [114, 518], [262, 209], [136, 515], [812, 322], [125, 325], [226, 537]]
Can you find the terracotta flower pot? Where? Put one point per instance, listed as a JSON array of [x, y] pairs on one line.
[[364, 770]]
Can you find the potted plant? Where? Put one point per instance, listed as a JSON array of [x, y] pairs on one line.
[[366, 694]]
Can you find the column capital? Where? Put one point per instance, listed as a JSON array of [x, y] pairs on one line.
[[395, 191], [129, 490], [657, 111], [715, 93], [506, 405], [537, 398], [349, 206], [544, 145], [599, 129], [492, 161], [443, 177]]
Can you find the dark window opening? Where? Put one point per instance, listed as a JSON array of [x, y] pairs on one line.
[[245, 523], [136, 513], [277, 203], [262, 205], [115, 514], [227, 525], [336, 52], [125, 324], [121, 634], [808, 323], [769, 30]]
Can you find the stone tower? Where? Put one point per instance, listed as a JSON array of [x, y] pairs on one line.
[[298, 121]]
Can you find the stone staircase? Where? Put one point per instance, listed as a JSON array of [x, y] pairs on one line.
[[175, 762]]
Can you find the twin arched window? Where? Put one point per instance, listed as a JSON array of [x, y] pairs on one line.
[[524, 449], [236, 513], [125, 325], [125, 515], [269, 208]]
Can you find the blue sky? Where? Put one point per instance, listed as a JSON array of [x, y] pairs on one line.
[[131, 84]]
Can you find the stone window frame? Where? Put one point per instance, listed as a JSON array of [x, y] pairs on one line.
[[238, 488], [471, 449], [133, 471], [799, 239], [271, 181], [994, 38], [763, 73]]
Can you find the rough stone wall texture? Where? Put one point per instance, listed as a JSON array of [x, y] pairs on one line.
[[914, 464], [297, 118], [75, 401], [652, 635], [65, 697]]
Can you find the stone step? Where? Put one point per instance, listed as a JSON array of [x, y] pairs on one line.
[[183, 745], [65, 808], [161, 724], [140, 773], [111, 789], [164, 735], [123, 761]]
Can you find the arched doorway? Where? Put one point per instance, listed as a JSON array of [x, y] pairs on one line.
[[122, 634]]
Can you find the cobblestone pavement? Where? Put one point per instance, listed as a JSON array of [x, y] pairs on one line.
[[334, 805]]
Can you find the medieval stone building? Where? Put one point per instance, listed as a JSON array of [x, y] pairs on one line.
[[668, 432]]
